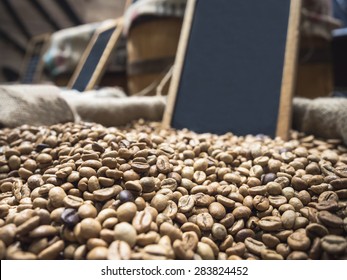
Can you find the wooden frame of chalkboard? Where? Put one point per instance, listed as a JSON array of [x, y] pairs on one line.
[[32, 67], [285, 80], [93, 61]]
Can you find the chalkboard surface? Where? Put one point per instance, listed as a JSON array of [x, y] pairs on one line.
[[94, 59], [32, 67], [230, 77]]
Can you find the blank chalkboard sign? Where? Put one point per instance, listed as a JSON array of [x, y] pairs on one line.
[[32, 67], [93, 61], [235, 67]]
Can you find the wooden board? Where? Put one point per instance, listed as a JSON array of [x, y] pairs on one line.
[[235, 67], [92, 65]]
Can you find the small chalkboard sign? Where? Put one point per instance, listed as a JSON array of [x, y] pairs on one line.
[[32, 67], [235, 67], [93, 61]]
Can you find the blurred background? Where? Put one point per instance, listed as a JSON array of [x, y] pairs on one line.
[[21, 20], [57, 32]]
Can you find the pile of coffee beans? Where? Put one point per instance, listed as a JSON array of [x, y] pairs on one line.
[[83, 191]]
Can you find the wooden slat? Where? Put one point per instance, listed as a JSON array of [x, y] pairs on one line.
[[289, 70], [100, 67], [179, 61]]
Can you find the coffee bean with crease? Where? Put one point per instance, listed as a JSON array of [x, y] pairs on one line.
[[330, 219], [186, 203], [334, 244], [204, 221]]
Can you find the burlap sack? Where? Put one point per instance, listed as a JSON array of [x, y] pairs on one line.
[[110, 107], [32, 105], [323, 117]]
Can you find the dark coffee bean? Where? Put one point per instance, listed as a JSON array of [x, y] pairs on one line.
[[70, 217], [40, 147], [268, 177], [126, 196]]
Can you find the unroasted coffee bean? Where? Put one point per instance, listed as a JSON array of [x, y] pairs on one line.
[[283, 249], [126, 212], [142, 221], [87, 172], [341, 171], [147, 184], [339, 184], [334, 244], [106, 213], [244, 233], [226, 202], [329, 205], [51, 252], [151, 193], [171, 231], [254, 246], [298, 183], [241, 212], [156, 252], [298, 241], [90, 228], [267, 254], [43, 231], [316, 230], [159, 202], [219, 231], [329, 219], [169, 183], [145, 239], [171, 210], [261, 203], [44, 158], [98, 253], [190, 240], [237, 226], [56, 196], [217, 210], [270, 241], [274, 188], [87, 211], [202, 200], [204, 221], [119, 250], [181, 252], [96, 242], [201, 164], [288, 219], [133, 186], [238, 249], [270, 223], [205, 251], [163, 164], [297, 255], [23, 229], [72, 201], [126, 232], [104, 194], [2, 250], [140, 167]]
